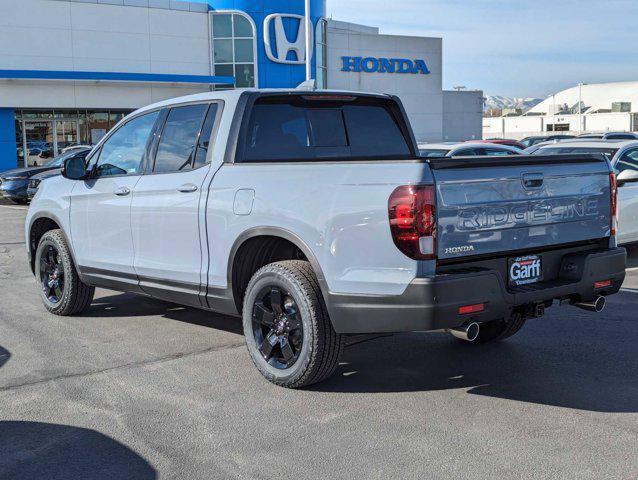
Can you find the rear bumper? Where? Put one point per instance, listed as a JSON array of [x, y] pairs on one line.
[[433, 303]]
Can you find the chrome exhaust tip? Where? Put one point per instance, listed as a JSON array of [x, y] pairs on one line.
[[468, 332], [597, 305]]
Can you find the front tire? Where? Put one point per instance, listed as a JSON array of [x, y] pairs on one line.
[[61, 289], [288, 332]]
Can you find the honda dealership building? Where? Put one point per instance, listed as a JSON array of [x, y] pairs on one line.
[[70, 69]]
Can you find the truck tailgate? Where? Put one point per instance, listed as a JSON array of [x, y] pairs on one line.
[[488, 205]]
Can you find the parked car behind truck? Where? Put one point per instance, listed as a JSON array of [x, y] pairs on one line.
[[312, 217], [623, 156], [14, 183]]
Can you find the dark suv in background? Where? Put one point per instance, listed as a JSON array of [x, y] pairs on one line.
[[15, 183]]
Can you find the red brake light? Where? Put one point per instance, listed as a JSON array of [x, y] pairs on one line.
[[330, 98], [614, 202], [412, 212]]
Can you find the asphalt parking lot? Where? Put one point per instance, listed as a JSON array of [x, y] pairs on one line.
[[140, 389]]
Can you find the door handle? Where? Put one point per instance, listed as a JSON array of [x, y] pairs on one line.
[[122, 191], [187, 188], [533, 180]]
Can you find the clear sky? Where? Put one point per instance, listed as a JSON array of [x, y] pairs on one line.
[[518, 48]]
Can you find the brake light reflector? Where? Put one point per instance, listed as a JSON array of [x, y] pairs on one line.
[[412, 212], [614, 202], [477, 308], [603, 284]]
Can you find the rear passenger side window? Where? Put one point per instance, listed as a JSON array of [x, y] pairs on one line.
[[494, 152], [178, 141], [205, 136], [467, 153]]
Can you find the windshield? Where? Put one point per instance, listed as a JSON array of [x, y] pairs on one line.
[[59, 160], [528, 142], [433, 153], [608, 152]]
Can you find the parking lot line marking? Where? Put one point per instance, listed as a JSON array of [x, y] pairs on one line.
[[630, 290], [11, 207]]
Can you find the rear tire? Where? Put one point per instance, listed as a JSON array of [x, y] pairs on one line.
[[61, 289], [288, 332], [499, 330]]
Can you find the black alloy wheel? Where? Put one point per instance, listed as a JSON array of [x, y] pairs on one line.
[[52, 274], [277, 327]]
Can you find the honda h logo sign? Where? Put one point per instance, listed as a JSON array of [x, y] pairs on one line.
[[279, 52]]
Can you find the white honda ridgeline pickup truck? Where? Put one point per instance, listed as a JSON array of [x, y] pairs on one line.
[[312, 216]]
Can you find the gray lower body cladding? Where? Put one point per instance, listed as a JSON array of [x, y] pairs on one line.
[[433, 303]]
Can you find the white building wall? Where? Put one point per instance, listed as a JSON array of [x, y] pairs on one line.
[[520, 127], [609, 122], [79, 36], [422, 95], [462, 115]]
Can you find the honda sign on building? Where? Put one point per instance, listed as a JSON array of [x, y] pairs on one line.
[[284, 46]]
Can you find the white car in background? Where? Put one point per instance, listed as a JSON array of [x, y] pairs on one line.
[[623, 156], [466, 149]]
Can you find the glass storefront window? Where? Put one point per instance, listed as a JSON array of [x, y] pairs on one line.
[[19, 143], [222, 26], [242, 26], [223, 51], [36, 114], [234, 49], [244, 76], [39, 140], [114, 118], [47, 132], [244, 51], [97, 126]]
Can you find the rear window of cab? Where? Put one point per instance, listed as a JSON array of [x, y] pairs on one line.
[[315, 128]]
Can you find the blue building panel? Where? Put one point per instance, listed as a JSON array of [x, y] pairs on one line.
[[8, 152], [271, 74]]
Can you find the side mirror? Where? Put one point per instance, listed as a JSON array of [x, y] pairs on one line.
[[74, 168], [627, 176]]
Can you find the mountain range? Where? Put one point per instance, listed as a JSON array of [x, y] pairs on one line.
[[497, 102]]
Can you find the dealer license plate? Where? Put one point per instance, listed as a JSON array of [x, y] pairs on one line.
[[525, 270]]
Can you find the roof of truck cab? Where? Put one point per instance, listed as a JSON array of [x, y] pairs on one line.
[[232, 96]]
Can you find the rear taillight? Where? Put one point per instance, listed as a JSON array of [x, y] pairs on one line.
[[614, 203], [412, 211]]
